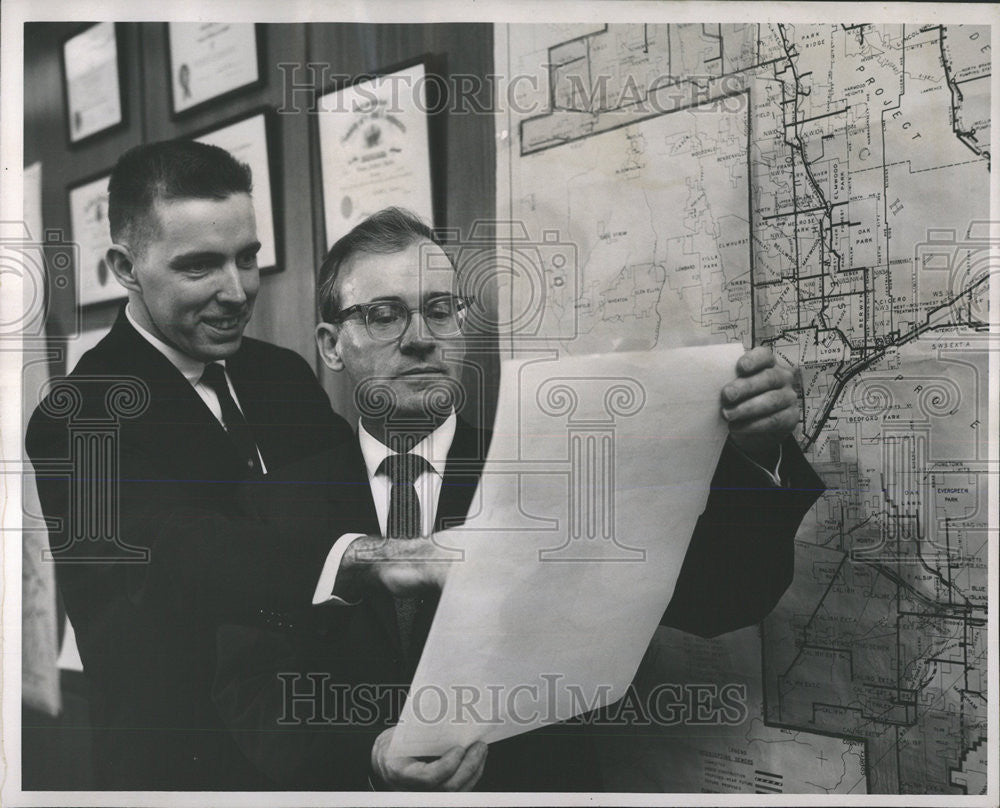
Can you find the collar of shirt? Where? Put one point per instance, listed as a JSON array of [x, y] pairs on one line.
[[191, 369], [434, 448]]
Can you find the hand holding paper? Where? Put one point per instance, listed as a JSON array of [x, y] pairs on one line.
[[457, 770], [597, 473], [761, 405]]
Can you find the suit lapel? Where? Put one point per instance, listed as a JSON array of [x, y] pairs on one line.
[[256, 399], [176, 416], [461, 475]]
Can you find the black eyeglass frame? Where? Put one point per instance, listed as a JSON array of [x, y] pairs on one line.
[[462, 304]]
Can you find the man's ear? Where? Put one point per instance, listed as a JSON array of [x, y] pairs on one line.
[[327, 340], [120, 262]]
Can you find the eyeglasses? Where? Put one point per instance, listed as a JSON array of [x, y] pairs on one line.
[[388, 320]]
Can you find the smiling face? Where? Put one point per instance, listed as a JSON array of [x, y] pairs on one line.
[[419, 370], [194, 279]]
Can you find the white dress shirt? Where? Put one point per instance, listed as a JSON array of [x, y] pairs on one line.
[[434, 449], [192, 370]]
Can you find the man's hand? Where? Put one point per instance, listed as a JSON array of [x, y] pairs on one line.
[[404, 567], [760, 405], [457, 770]]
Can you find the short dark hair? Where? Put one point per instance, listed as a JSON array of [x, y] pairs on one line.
[[169, 169], [391, 230]]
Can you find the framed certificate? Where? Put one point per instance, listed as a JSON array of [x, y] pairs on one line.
[[247, 140], [208, 60], [88, 218], [374, 149], [92, 78]]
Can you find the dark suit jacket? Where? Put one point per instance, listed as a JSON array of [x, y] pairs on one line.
[[273, 655], [146, 631], [307, 694]]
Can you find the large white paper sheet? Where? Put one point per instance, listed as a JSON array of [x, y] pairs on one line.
[[599, 468]]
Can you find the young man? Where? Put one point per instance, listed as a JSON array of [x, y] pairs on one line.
[[393, 322], [193, 409]]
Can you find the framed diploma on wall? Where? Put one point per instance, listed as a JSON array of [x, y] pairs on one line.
[[92, 79], [88, 220], [209, 60], [247, 140], [374, 149]]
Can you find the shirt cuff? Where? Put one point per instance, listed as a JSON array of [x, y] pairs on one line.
[[328, 577], [773, 476]]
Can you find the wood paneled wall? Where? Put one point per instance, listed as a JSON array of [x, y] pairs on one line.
[[462, 145]]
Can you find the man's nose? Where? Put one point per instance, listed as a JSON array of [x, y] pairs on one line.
[[417, 336], [232, 289]]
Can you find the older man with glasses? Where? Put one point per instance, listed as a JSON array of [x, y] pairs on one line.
[[393, 321]]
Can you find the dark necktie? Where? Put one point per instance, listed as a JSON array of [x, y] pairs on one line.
[[233, 420], [403, 522]]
